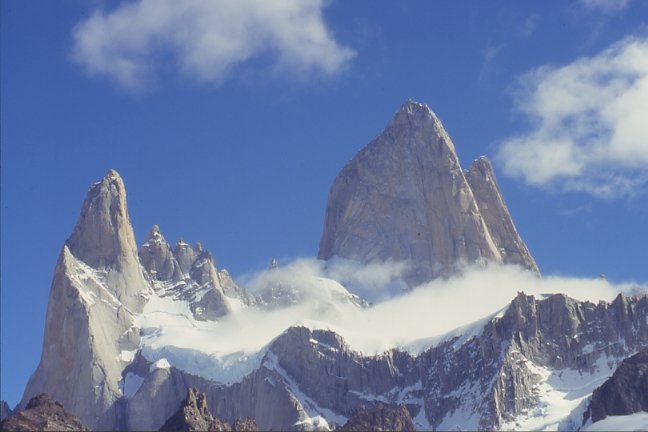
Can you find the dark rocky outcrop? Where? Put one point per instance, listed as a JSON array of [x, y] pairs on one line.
[[380, 418], [42, 414], [482, 181], [194, 415], [625, 392], [245, 425]]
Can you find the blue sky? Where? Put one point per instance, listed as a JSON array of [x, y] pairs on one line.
[[229, 124]]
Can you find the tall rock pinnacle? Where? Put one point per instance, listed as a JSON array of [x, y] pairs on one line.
[[103, 239], [481, 178], [98, 288], [405, 197]]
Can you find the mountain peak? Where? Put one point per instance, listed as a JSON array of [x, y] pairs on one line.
[[404, 197], [112, 175], [103, 238], [103, 233], [412, 107]]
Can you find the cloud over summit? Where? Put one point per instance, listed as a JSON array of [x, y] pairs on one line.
[[206, 40]]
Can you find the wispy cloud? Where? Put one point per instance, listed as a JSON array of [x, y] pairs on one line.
[[589, 123], [489, 55], [410, 318], [207, 40], [227, 350], [606, 5], [373, 282], [529, 25]]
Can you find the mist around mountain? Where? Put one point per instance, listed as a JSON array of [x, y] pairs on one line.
[[424, 296]]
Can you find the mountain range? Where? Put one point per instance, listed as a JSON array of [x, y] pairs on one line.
[[130, 330]]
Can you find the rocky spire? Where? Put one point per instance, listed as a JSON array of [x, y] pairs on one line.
[[103, 233], [97, 290], [157, 257], [188, 274], [404, 197], [481, 178], [103, 239], [194, 415]]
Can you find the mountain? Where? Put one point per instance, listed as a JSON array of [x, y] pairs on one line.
[[99, 288], [129, 331], [42, 413], [405, 197]]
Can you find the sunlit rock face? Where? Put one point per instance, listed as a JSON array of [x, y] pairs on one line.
[[97, 291], [405, 197]]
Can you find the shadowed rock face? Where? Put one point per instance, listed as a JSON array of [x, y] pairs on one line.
[[404, 197], [194, 415], [5, 411], [43, 414], [626, 392], [380, 418]]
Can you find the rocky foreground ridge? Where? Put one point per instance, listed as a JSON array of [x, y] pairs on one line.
[[496, 373], [42, 413], [194, 415]]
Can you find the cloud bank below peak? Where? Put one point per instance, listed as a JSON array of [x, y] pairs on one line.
[[206, 40], [588, 124]]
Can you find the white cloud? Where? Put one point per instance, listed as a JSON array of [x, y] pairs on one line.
[[589, 123], [206, 39], [412, 321], [606, 5]]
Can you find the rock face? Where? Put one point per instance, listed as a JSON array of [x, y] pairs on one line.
[[42, 414], [103, 239], [98, 289], [5, 411], [626, 392], [404, 197], [483, 183], [381, 418]]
